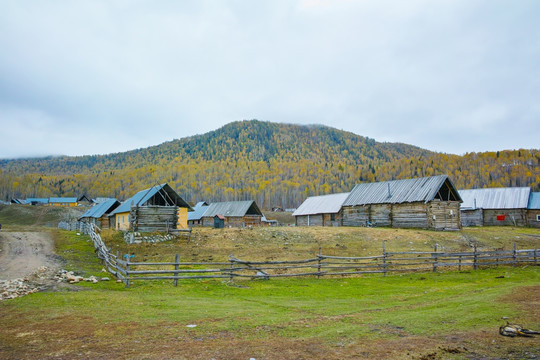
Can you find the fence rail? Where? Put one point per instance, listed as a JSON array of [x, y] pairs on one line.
[[318, 266]]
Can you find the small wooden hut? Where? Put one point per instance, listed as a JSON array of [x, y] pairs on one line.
[[324, 210], [99, 213], [158, 208], [236, 213], [495, 206], [429, 202], [533, 210]]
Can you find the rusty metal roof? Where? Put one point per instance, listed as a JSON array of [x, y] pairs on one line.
[[399, 191], [495, 198], [323, 204]]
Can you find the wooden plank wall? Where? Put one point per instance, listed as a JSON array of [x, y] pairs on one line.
[[512, 217], [154, 218], [444, 215], [413, 215], [355, 215], [532, 218], [472, 217]]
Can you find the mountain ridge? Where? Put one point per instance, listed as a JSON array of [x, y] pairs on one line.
[[273, 163]]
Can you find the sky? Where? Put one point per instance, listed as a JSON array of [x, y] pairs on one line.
[[104, 76]]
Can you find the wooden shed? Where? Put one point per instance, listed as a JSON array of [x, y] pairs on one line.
[[324, 210], [495, 206], [99, 213], [429, 202], [236, 213], [533, 210], [195, 216], [158, 208]]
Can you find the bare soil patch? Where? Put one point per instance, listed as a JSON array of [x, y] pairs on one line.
[[25, 253]]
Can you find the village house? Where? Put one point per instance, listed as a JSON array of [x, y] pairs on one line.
[[533, 210], [99, 213], [233, 213], [429, 202], [195, 216], [63, 201], [324, 210], [158, 208], [495, 206]]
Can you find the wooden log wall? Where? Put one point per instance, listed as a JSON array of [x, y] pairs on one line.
[[472, 217], [444, 215], [512, 217], [154, 218], [355, 215], [413, 215], [532, 218]]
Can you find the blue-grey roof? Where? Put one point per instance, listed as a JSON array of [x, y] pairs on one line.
[[495, 198], [142, 197], [198, 211], [232, 208], [101, 209], [324, 204], [534, 201], [37, 200], [63, 200], [399, 191]]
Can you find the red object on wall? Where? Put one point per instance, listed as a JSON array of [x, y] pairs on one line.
[[501, 217]]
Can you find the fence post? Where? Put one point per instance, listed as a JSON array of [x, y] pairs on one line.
[[176, 265], [459, 266], [514, 259], [535, 250], [384, 257], [319, 263], [232, 263], [435, 260], [127, 269], [475, 258], [116, 268]]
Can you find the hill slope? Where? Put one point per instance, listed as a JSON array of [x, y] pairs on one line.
[[275, 164]]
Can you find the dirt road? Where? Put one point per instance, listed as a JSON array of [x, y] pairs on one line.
[[24, 253]]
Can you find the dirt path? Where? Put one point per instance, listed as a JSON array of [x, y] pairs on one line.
[[25, 253]]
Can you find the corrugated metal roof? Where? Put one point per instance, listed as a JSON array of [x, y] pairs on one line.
[[63, 200], [100, 209], [534, 201], [198, 211], [143, 196], [231, 208], [495, 198], [323, 204], [398, 191]]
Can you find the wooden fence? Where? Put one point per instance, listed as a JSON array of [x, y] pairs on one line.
[[320, 265]]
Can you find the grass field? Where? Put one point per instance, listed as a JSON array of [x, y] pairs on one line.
[[449, 315]]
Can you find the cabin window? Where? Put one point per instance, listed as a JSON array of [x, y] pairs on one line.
[[537, 217], [123, 220], [332, 217]]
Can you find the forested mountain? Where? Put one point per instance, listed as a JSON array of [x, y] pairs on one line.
[[275, 164]]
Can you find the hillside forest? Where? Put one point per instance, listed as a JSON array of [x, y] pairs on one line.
[[273, 164]]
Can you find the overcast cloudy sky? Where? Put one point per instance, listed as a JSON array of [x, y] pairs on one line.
[[94, 77]]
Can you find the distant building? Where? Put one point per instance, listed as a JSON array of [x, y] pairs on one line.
[[37, 201], [99, 213], [495, 206], [533, 210], [324, 210], [63, 201], [235, 213], [195, 216], [429, 203]]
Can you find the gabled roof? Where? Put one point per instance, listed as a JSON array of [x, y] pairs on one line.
[[534, 201], [101, 209], [495, 198], [233, 208], [403, 191], [198, 211], [324, 204], [63, 200], [156, 195]]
